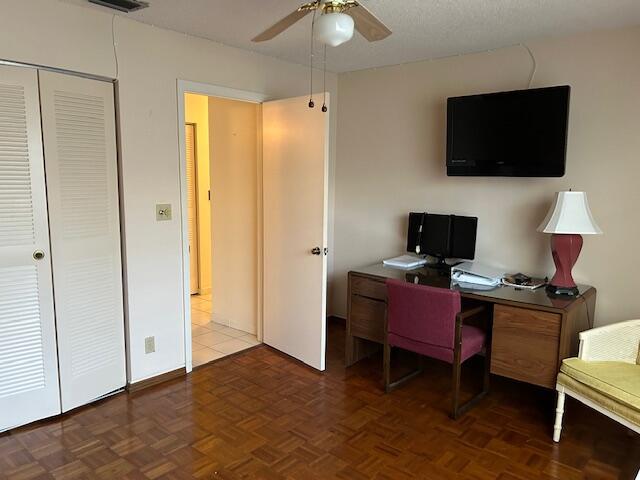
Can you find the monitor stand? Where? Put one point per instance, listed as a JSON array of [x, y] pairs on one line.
[[441, 266]]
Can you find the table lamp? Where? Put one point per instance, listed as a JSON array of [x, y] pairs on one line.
[[568, 219]]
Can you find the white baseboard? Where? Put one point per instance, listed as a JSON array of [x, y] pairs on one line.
[[216, 318]]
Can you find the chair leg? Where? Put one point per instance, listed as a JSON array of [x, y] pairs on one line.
[[386, 360], [487, 369], [557, 427], [455, 394], [458, 410]]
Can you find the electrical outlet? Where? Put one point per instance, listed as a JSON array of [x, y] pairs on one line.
[[163, 211], [149, 344]]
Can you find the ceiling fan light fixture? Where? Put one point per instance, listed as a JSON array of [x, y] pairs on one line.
[[334, 29]]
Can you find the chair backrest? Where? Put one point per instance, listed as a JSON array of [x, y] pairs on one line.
[[422, 313]]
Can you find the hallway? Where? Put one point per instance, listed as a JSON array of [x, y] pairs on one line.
[[210, 340]]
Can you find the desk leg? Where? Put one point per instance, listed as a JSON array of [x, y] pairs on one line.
[[358, 348], [350, 350]]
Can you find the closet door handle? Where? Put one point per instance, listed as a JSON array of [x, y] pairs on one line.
[[38, 255]]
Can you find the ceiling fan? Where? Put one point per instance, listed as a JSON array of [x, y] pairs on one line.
[[336, 23]]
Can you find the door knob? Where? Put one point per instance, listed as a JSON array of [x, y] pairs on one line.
[[316, 251], [38, 255]]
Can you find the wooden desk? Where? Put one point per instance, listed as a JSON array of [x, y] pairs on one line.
[[531, 331]]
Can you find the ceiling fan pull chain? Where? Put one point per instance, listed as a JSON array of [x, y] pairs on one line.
[[324, 80], [313, 22]]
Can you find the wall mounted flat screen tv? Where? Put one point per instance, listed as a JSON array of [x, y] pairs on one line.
[[511, 134]]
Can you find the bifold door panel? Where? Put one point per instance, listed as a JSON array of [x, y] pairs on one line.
[[192, 206], [78, 121], [28, 365], [295, 172]]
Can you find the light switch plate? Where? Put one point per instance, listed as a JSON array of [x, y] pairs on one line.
[[149, 344], [163, 211]]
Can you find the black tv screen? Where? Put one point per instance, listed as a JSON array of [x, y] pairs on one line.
[[512, 134]]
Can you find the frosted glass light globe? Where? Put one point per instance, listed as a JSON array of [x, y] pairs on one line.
[[334, 29]]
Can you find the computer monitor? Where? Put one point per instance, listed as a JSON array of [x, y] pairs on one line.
[[442, 236], [463, 237], [415, 232], [436, 236]]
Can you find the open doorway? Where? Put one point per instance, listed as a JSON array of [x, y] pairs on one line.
[[277, 266], [221, 153]]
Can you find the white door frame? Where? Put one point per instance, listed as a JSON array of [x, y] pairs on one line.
[[185, 86]]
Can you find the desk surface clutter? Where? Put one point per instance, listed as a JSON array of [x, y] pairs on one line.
[[435, 278], [532, 331]]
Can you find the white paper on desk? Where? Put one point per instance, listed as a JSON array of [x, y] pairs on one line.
[[474, 286], [405, 261], [474, 272], [470, 278]]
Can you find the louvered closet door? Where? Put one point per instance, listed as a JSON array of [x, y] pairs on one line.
[[78, 122], [192, 207], [28, 367]]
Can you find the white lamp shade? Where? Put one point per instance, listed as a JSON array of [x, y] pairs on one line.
[[334, 28], [570, 213]]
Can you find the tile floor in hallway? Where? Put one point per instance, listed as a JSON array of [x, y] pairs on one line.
[[210, 340]]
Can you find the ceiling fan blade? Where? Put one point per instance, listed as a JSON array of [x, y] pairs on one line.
[[367, 24], [281, 26]]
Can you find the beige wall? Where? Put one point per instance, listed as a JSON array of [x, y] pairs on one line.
[[149, 63], [233, 130], [391, 160], [196, 109]]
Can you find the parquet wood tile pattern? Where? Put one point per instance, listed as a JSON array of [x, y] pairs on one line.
[[263, 415]]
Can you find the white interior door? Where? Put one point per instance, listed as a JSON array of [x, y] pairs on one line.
[[295, 172], [192, 207], [28, 364], [78, 121]]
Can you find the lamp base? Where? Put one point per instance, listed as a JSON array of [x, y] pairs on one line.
[[565, 249], [562, 291]]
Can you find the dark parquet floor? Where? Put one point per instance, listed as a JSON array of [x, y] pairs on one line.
[[263, 415]]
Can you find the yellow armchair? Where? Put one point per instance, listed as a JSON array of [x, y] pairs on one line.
[[605, 376]]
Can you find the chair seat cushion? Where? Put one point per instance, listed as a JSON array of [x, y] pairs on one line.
[[473, 339], [619, 381]]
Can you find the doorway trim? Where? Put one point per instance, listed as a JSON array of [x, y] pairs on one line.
[[186, 86]]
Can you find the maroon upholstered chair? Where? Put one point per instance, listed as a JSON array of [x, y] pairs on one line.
[[429, 321]]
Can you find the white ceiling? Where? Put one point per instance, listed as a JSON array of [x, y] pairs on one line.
[[422, 29]]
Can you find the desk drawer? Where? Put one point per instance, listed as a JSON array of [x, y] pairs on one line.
[[366, 318], [368, 288], [525, 345]]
